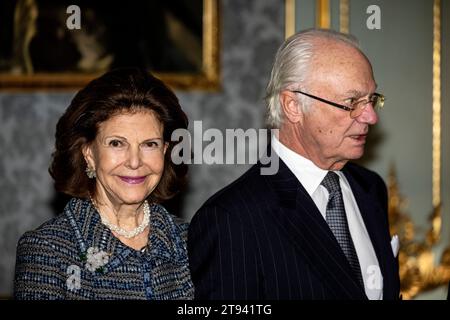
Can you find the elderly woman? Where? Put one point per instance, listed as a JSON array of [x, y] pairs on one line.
[[114, 240]]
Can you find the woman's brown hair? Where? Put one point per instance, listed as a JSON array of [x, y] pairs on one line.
[[125, 90]]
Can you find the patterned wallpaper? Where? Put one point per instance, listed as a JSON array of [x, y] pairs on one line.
[[251, 32]]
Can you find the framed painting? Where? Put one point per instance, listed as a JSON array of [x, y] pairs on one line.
[[48, 45]]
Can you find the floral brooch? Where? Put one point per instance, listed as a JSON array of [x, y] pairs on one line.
[[95, 259]]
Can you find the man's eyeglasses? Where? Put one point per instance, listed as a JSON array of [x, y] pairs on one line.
[[356, 108]]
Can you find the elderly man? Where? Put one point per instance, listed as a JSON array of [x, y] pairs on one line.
[[318, 228]]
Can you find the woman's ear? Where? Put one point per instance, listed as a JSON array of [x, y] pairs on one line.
[[290, 104], [88, 155]]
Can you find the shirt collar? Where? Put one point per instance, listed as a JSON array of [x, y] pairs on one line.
[[309, 175]]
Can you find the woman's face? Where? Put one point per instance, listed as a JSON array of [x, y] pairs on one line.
[[128, 157]]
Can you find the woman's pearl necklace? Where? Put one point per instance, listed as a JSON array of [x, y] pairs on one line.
[[125, 233]]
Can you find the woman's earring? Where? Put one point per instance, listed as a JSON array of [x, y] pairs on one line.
[[90, 173]]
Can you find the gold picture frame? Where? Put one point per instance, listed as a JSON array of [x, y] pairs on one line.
[[205, 77]]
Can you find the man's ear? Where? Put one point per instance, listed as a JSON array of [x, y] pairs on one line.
[[291, 107], [88, 155]]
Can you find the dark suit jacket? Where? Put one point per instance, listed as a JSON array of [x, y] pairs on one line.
[[448, 293], [262, 237]]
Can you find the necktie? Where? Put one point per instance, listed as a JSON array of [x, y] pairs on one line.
[[337, 221]]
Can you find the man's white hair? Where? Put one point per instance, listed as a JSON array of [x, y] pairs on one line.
[[291, 67]]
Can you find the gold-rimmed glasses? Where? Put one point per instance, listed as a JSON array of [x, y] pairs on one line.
[[356, 108]]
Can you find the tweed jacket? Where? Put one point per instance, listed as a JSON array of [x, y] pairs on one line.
[[55, 261]]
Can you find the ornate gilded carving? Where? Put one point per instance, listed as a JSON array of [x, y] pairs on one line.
[[418, 269]]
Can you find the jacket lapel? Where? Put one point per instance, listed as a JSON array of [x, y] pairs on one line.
[[300, 220]]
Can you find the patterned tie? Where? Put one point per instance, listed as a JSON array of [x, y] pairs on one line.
[[337, 221]]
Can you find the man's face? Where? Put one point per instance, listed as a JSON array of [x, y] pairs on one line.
[[328, 135]]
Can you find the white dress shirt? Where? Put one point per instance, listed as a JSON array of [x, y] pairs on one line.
[[310, 176]]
